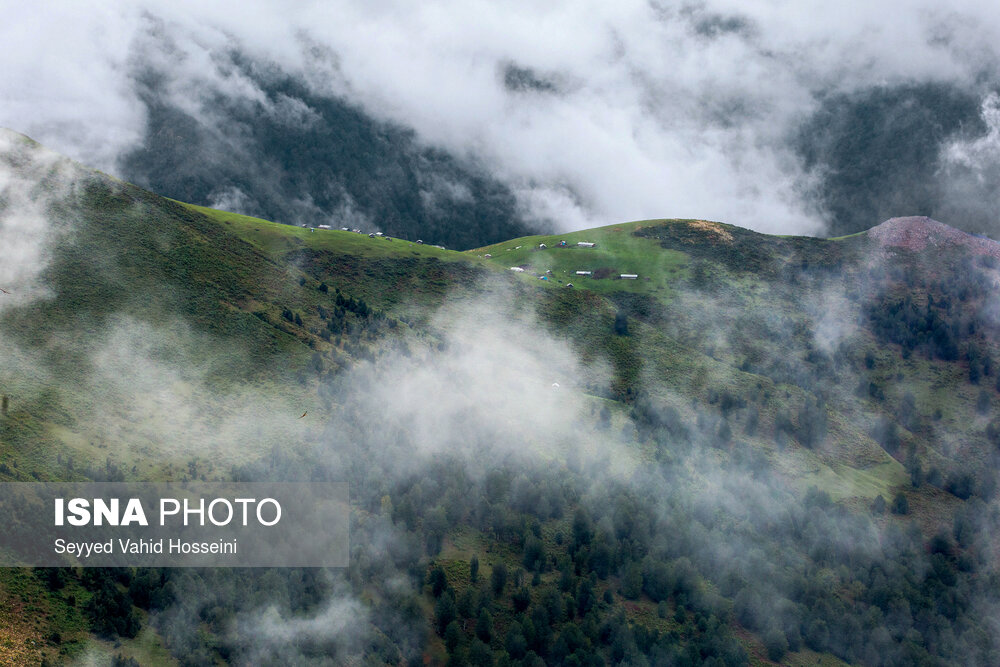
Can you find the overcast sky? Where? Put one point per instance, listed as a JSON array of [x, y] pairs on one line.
[[591, 112]]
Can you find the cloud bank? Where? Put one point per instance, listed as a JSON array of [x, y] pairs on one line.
[[587, 113]]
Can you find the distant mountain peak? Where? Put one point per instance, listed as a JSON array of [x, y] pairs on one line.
[[919, 232]]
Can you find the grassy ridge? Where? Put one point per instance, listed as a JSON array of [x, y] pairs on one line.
[[231, 277], [618, 250], [716, 342]]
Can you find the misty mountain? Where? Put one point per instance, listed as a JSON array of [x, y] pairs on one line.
[[465, 126], [300, 158], [289, 154], [758, 448], [881, 152]]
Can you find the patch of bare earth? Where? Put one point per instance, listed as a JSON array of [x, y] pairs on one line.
[[917, 233], [20, 642], [713, 228]]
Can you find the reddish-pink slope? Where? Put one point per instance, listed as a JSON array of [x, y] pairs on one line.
[[918, 233]]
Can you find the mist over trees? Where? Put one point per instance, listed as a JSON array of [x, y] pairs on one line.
[[878, 153], [772, 562], [703, 534], [315, 160], [792, 447]]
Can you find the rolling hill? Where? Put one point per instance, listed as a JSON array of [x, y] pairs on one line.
[[760, 449]]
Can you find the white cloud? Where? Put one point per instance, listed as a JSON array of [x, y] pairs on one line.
[[658, 111], [32, 180]]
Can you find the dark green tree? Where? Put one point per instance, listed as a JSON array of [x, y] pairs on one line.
[[775, 643], [445, 611], [438, 581], [632, 582], [498, 579], [900, 505], [484, 626], [621, 324]]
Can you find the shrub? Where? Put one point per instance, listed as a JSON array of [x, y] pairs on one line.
[[900, 505]]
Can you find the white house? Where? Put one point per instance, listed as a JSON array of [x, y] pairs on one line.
[[629, 276], [585, 244]]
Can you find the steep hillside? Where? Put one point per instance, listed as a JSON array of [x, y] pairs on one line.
[[130, 280], [313, 160], [757, 449]]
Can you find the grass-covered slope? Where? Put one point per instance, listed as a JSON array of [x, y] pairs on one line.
[[617, 250], [783, 323], [850, 384], [129, 282]]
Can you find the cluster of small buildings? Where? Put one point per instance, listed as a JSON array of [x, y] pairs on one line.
[[590, 244], [371, 235], [562, 244], [582, 273]]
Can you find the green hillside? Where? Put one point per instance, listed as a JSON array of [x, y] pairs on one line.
[[759, 450], [214, 286], [618, 250]]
